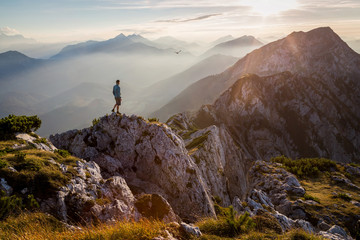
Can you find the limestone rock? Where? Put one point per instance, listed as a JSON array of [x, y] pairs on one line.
[[154, 206], [48, 146], [150, 157], [335, 233], [5, 187], [192, 230]]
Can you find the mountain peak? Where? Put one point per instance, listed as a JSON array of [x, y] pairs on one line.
[[120, 36]]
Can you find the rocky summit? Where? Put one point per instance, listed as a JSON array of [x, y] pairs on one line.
[[194, 170], [284, 114], [150, 156]]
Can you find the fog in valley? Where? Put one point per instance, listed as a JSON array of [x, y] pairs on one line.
[[71, 88]]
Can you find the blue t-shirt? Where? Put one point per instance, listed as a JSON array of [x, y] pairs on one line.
[[116, 91]]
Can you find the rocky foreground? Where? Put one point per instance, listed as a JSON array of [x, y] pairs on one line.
[[140, 160]]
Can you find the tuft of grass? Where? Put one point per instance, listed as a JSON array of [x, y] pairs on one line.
[[62, 153], [95, 121], [153, 119], [41, 140], [198, 142], [310, 197], [306, 167], [228, 223]]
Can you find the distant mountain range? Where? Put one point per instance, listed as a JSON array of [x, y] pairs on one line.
[[319, 53], [12, 62], [238, 47], [163, 91]]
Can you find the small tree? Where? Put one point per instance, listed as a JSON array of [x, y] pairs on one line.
[[13, 124]]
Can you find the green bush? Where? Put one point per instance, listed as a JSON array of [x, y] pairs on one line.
[[228, 224], [153, 119], [306, 167], [95, 121], [9, 205], [41, 140], [63, 153], [13, 124]]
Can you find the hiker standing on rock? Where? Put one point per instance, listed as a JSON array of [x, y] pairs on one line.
[[117, 95]]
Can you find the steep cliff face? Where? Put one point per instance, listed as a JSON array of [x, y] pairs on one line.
[[149, 156], [222, 164], [285, 114]]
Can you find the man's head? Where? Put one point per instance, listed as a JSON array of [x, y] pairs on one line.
[[117, 82]]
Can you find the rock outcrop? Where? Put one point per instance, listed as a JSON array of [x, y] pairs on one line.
[[285, 114], [150, 156]]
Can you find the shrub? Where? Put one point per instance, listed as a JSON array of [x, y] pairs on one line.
[[153, 119], [306, 167], [266, 223], [9, 205], [228, 223], [63, 153], [41, 140], [95, 121], [20, 157], [13, 124]]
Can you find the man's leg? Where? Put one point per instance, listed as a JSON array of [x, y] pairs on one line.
[[117, 107]]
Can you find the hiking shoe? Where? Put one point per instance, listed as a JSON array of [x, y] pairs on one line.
[[117, 113], [112, 110]]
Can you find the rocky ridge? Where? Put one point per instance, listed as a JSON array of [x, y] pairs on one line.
[[220, 169], [283, 114]]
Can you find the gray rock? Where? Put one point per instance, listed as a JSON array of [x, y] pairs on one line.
[[5, 187], [298, 214], [352, 170], [254, 205], [151, 157], [342, 179], [338, 230], [356, 203], [335, 233], [29, 139], [12, 169], [323, 226], [304, 225], [188, 228], [285, 222]]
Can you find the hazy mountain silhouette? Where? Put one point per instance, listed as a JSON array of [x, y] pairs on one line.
[[319, 52], [237, 47], [14, 62], [163, 91]]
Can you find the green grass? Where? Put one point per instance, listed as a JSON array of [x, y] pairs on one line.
[[343, 196], [198, 142], [34, 171], [309, 197], [306, 167], [38, 226]]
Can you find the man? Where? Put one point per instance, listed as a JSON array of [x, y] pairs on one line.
[[117, 95]]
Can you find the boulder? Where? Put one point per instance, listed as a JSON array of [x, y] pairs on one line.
[[190, 229], [154, 206], [5, 187]]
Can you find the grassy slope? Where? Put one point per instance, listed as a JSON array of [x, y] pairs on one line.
[[36, 226]]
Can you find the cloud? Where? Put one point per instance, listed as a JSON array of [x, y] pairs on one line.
[[9, 31], [189, 19]]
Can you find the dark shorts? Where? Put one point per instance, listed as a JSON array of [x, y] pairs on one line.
[[118, 100]]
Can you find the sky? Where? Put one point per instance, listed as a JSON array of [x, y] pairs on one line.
[[190, 20]]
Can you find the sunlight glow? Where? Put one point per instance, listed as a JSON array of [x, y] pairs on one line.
[[270, 7]]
